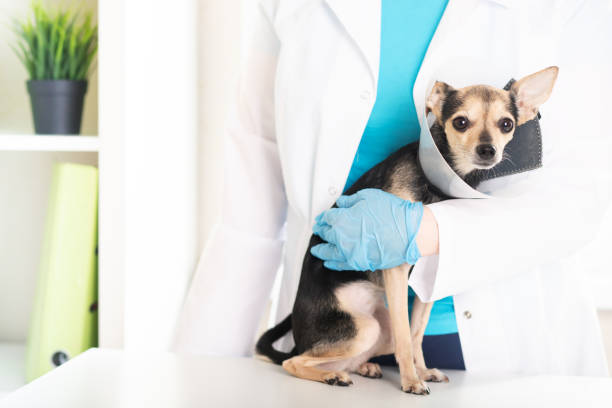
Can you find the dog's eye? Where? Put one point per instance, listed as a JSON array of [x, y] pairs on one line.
[[460, 123], [506, 125]]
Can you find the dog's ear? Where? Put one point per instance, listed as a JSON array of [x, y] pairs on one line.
[[436, 99], [532, 91]]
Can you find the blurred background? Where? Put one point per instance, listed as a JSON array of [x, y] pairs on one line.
[[150, 142]]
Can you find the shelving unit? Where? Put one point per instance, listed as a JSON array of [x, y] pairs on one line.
[[26, 162], [49, 143], [28, 159], [148, 158]]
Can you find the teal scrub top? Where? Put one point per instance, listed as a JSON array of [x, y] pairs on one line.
[[407, 28]]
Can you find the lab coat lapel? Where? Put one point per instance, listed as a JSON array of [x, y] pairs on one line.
[[361, 19], [347, 106]]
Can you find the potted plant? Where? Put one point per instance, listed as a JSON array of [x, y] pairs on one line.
[[57, 49]]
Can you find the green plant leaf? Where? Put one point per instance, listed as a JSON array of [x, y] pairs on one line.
[[21, 54], [57, 44], [59, 54]]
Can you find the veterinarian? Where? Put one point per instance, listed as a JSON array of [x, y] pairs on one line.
[[329, 88]]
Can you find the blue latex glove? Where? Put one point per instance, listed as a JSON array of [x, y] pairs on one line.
[[369, 230]]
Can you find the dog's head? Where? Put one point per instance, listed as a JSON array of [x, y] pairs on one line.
[[477, 122]]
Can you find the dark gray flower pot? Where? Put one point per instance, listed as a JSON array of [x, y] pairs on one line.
[[57, 105]]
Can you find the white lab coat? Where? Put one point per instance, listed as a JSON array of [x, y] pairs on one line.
[[308, 85]]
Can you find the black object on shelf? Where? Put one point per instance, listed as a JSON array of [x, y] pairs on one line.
[[57, 105]]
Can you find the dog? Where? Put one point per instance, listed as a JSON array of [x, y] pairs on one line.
[[339, 318]]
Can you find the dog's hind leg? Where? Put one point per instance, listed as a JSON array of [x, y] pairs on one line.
[[396, 288], [330, 363], [307, 367], [418, 323]]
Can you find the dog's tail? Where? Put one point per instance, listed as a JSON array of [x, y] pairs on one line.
[[264, 344]]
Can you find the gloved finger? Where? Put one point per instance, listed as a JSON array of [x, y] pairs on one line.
[[327, 252], [338, 266], [348, 201], [319, 217], [329, 216], [325, 231]]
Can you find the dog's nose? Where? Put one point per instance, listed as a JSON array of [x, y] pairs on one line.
[[485, 151]]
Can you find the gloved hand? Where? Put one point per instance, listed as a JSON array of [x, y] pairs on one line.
[[369, 230]]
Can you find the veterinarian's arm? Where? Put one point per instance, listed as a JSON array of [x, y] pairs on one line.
[[549, 213], [428, 238], [237, 267]]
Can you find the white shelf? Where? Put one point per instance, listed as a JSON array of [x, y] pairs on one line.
[[12, 367], [49, 143]]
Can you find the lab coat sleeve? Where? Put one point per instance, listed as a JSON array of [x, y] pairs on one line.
[[232, 283], [551, 212]]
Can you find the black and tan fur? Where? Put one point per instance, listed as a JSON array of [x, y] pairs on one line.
[[339, 318]]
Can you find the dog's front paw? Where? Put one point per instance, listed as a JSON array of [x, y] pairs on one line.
[[337, 378], [415, 387], [432, 375], [370, 370]]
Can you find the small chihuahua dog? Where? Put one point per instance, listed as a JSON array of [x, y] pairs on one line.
[[339, 318]]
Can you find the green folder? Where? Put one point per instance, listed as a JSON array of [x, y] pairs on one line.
[[64, 317]]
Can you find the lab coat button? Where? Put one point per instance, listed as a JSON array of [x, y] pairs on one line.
[[467, 314], [332, 190], [365, 95]]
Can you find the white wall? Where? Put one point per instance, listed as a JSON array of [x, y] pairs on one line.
[[220, 26], [24, 182], [148, 206], [161, 171]]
